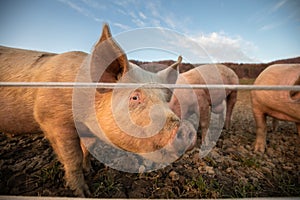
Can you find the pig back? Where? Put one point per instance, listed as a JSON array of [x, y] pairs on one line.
[[17, 104], [210, 74]]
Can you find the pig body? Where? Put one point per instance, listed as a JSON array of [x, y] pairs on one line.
[[207, 100], [282, 105], [26, 110], [50, 110]]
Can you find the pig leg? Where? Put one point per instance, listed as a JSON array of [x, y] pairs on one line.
[[261, 131], [204, 118], [66, 144], [231, 100], [220, 110], [86, 165]]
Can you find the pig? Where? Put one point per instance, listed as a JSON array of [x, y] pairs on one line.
[[281, 105], [50, 110], [218, 101]]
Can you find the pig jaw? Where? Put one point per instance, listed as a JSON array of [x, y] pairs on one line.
[[140, 145]]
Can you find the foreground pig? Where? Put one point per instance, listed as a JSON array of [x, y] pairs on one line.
[[282, 105], [215, 100], [49, 110]]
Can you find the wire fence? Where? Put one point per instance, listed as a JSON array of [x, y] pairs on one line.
[[146, 85]]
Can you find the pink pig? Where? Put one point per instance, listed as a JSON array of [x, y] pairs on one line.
[[216, 100], [57, 113], [282, 105]]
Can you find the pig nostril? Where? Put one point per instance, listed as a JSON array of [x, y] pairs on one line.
[[174, 120], [179, 135]]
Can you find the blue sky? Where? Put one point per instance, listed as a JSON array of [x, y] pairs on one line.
[[225, 30]]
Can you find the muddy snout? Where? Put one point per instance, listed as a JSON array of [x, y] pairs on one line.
[[186, 137], [183, 139]]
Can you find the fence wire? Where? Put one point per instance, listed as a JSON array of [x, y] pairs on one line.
[[146, 86]]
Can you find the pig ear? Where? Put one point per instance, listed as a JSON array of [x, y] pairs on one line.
[[170, 74], [108, 61]]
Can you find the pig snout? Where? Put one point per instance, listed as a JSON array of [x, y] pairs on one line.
[[183, 139], [186, 137]]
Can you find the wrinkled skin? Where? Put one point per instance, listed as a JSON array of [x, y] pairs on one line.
[[49, 110], [217, 101], [282, 105]]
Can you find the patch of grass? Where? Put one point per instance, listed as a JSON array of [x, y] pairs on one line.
[[244, 189], [105, 186], [211, 161], [287, 185], [247, 161], [52, 173], [204, 188], [250, 162], [200, 184]]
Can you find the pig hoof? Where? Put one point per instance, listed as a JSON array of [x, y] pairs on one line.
[[87, 168], [83, 192], [259, 147]]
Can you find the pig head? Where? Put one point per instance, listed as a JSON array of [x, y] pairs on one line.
[[51, 110], [282, 105], [218, 101]]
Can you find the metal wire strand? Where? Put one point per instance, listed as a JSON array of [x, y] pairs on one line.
[[145, 85]]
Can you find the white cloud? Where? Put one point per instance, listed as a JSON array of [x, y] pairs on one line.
[[277, 6], [286, 8], [136, 19], [223, 48], [123, 12], [132, 14], [81, 10], [203, 48], [153, 7], [122, 26], [76, 7], [149, 13], [94, 4], [163, 17], [267, 27], [138, 22], [142, 15], [170, 21]]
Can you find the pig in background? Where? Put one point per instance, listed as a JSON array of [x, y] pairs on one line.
[[281, 105], [50, 110], [218, 101]]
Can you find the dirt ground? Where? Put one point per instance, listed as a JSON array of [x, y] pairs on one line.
[[29, 167]]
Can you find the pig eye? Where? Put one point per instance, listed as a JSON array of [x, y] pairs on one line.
[[135, 98]]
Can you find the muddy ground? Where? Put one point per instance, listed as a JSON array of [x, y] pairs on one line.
[[29, 167]]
